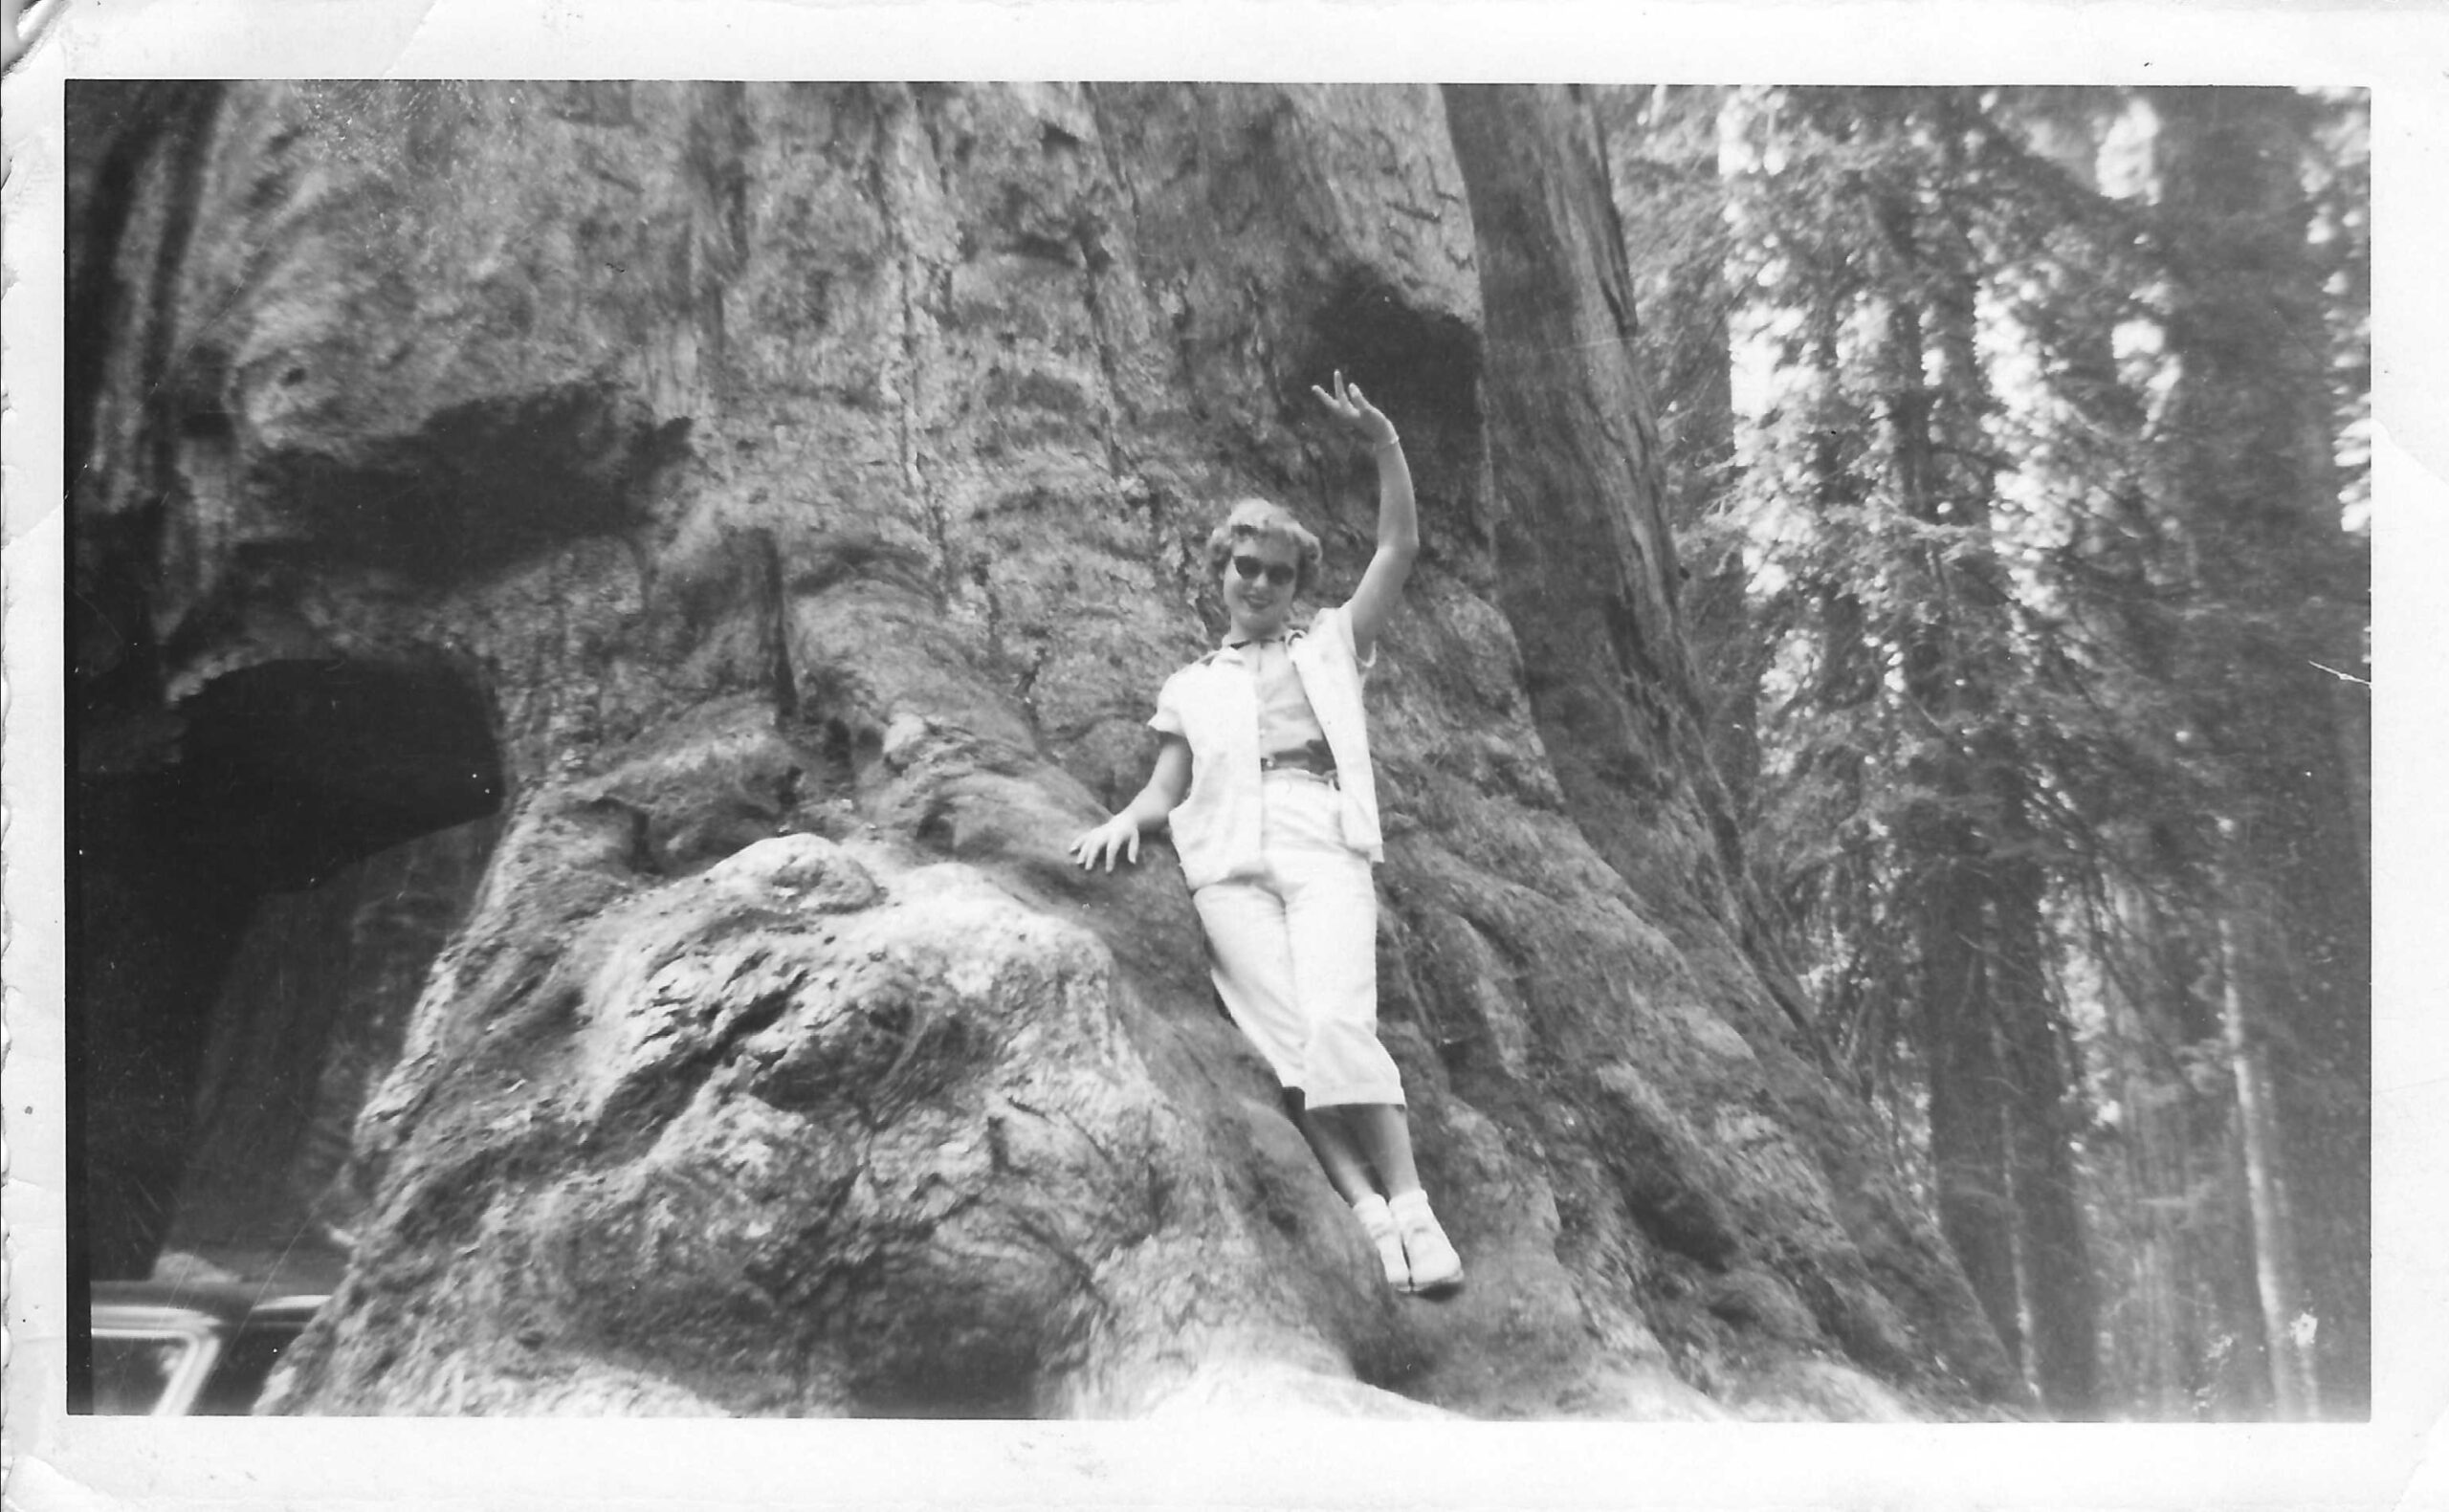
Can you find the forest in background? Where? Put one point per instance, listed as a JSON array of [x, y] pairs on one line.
[[2014, 441]]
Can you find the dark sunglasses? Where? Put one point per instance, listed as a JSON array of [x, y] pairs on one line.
[[1251, 568]]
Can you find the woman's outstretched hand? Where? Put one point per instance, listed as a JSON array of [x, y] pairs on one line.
[[1116, 837], [1348, 404]]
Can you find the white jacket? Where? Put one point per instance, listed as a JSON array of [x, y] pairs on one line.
[[1214, 703]]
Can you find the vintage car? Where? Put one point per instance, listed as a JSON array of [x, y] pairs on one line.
[[169, 1348]]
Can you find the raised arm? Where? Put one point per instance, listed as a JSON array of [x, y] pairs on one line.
[[1381, 587], [1119, 836]]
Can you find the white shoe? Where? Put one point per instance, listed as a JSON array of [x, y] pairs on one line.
[[1429, 1255], [1377, 1221]]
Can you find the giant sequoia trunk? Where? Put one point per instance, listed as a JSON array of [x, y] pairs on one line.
[[807, 484]]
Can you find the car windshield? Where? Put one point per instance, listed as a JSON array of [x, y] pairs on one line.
[[246, 1364], [133, 1372], [167, 1349]]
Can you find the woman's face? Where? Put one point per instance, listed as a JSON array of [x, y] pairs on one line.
[[1258, 587]]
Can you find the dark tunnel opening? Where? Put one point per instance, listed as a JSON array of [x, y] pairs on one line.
[[249, 924], [291, 770]]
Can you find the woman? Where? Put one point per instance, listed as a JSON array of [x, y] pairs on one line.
[[1264, 771]]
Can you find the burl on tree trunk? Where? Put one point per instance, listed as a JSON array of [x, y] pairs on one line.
[[810, 483]]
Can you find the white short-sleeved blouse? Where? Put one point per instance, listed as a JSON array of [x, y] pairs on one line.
[[1215, 703]]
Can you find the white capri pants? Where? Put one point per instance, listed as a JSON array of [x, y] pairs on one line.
[[1294, 949]]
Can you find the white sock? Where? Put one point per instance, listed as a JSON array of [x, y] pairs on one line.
[[1377, 1221], [1429, 1257]]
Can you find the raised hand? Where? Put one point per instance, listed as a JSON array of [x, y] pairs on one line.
[[1349, 405], [1381, 585]]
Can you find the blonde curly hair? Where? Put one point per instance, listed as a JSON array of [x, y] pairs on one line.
[[1256, 519]]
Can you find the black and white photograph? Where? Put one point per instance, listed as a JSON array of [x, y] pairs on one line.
[[1198, 785]]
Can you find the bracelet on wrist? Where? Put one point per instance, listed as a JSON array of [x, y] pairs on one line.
[[1394, 442]]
